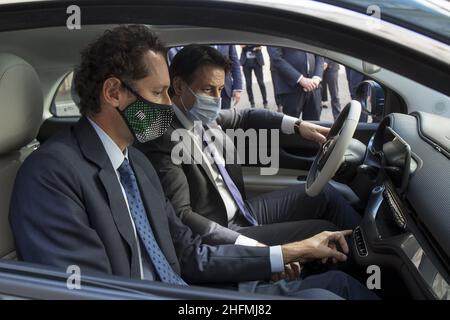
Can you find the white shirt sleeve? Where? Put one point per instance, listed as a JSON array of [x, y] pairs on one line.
[[317, 77], [288, 124], [276, 259], [299, 79], [245, 241]]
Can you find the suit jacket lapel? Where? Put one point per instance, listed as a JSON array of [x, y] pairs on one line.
[[188, 145], [94, 151]]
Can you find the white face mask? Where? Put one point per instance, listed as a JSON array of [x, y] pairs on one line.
[[205, 108]]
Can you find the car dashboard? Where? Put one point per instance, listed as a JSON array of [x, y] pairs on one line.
[[406, 221]]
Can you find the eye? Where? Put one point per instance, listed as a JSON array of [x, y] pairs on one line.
[[157, 93]]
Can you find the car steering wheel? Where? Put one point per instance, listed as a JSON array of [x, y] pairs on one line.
[[331, 154]]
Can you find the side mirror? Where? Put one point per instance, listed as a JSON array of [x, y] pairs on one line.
[[371, 96]]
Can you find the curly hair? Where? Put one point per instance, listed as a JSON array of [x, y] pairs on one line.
[[117, 53]]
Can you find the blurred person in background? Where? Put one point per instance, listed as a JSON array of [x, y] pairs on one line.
[[252, 60]]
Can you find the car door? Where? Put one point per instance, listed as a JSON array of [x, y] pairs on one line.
[[25, 281]]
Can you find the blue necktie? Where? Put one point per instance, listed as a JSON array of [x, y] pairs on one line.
[[129, 183], [235, 193]]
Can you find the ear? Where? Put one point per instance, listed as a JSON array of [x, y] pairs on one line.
[[112, 92], [177, 85]]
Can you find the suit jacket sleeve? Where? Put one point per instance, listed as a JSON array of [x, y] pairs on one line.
[[176, 188], [235, 69], [249, 118], [284, 68], [202, 263], [318, 68], [52, 227]]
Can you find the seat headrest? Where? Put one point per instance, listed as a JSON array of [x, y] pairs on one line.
[[21, 103]]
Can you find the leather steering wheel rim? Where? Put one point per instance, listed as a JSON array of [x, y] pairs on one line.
[[331, 154]]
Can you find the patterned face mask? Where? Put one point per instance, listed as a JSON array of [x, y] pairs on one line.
[[145, 119]]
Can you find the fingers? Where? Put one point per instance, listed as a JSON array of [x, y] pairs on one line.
[[290, 274], [346, 232], [297, 269], [337, 255], [323, 130], [332, 245], [309, 84], [339, 236], [291, 271], [319, 138]]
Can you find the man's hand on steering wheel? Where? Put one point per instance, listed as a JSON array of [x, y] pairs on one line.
[[312, 131]]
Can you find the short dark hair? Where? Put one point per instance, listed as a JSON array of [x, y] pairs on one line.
[[190, 58], [117, 53]]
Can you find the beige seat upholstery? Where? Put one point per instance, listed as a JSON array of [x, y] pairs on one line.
[[21, 109]]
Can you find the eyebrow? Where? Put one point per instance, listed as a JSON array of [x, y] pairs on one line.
[[212, 85]]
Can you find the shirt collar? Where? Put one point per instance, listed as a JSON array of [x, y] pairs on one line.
[[115, 155]]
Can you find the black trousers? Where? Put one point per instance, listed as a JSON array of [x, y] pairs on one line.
[[302, 103], [330, 82], [249, 66], [291, 215]]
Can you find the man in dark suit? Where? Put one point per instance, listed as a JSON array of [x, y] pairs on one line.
[[210, 198], [252, 60], [88, 198], [330, 82], [354, 78], [233, 81], [296, 76]]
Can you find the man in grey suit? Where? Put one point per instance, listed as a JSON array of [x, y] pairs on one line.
[[211, 198], [88, 198]]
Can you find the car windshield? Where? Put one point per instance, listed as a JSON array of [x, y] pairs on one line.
[[429, 17]]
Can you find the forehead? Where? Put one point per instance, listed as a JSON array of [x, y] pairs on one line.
[[158, 73], [209, 74]]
